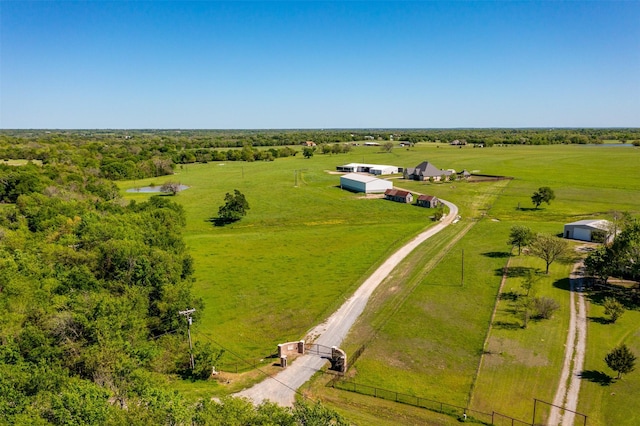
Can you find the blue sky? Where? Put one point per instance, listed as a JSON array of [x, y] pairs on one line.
[[307, 64]]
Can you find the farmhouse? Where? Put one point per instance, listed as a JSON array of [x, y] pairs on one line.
[[398, 195], [426, 170], [374, 169], [429, 201], [363, 183], [586, 230]]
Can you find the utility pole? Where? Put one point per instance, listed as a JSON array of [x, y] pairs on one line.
[[187, 314]]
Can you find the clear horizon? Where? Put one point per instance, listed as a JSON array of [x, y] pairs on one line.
[[319, 65]]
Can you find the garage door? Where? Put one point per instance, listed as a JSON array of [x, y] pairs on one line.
[[582, 234]]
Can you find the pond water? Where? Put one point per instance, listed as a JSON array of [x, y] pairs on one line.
[[148, 189]]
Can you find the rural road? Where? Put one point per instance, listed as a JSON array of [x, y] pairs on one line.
[[282, 387], [569, 385]]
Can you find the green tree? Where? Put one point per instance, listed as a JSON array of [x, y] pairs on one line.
[[520, 236], [613, 308], [235, 206], [529, 281], [387, 146], [598, 264], [308, 151], [549, 249], [544, 194], [621, 360]]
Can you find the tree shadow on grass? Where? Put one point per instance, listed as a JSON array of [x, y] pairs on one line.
[[630, 298], [563, 284], [497, 254], [217, 221], [515, 271], [510, 295], [507, 325], [600, 320], [596, 377], [528, 209]]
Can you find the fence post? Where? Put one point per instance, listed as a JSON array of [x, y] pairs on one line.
[[375, 392], [492, 419]]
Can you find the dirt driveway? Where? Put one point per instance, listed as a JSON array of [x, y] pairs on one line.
[[282, 387]]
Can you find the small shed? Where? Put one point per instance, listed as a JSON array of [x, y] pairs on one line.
[[398, 195], [585, 230], [429, 201], [363, 183]]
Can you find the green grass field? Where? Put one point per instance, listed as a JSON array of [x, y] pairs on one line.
[[302, 250]]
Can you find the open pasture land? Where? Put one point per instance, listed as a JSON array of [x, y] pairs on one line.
[[521, 364], [302, 250], [298, 253]]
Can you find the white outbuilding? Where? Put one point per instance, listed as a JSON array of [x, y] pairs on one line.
[[374, 169], [584, 230], [363, 183]]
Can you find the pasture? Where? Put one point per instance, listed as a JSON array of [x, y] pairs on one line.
[[301, 250]]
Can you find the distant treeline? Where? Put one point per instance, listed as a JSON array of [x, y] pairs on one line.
[[135, 154]]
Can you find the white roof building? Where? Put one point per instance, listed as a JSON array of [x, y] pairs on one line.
[[374, 169], [583, 230], [363, 183]]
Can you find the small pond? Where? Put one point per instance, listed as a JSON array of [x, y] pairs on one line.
[[148, 189]]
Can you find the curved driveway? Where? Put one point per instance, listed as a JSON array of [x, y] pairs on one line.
[[282, 387]]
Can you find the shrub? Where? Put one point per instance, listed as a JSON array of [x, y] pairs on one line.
[[544, 307]]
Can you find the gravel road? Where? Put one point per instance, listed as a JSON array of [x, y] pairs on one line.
[[282, 387], [569, 385]]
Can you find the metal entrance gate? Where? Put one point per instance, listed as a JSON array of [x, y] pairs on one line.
[[320, 350]]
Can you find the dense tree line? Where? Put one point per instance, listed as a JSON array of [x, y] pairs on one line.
[[133, 154], [90, 290]]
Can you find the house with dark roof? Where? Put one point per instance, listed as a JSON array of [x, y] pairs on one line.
[[426, 170], [398, 196], [429, 201]]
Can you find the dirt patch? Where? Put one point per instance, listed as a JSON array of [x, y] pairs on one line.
[[371, 196], [501, 351]]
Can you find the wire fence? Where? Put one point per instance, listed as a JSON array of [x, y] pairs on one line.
[[480, 417]]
